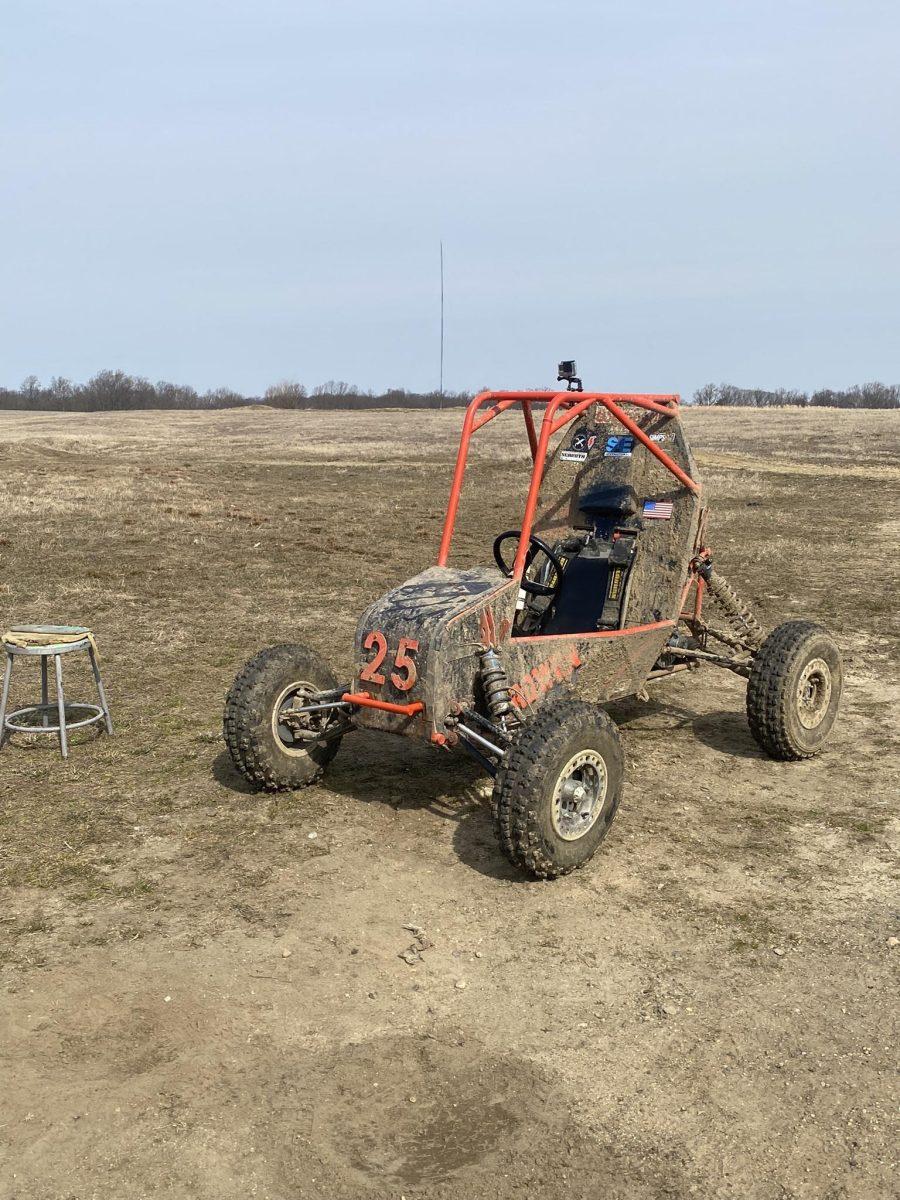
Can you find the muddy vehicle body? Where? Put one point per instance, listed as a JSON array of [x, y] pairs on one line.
[[604, 590]]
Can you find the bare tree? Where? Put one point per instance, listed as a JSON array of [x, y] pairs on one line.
[[707, 395], [286, 394], [335, 387]]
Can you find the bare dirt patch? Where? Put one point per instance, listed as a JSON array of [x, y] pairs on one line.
[[631, 1031]]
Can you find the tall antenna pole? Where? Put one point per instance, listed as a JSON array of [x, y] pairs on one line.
[[442, 325]]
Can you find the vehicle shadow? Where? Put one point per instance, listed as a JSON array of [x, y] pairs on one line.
[[376, 768], [227, 775], [726, 730]]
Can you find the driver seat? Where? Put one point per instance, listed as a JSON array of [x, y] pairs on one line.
[[593, 592]]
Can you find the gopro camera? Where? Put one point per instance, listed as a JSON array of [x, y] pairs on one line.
[[568, 371]]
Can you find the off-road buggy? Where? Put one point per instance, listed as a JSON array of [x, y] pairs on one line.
[[603, 597]]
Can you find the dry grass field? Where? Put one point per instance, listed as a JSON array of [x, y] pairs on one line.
[[198, 998]]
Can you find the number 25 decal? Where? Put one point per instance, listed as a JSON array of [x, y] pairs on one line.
[[403, 661]]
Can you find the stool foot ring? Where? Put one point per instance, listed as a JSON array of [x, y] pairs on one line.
[[97, 714]]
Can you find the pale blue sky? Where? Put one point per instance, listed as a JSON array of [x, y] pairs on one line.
[[225, 192]]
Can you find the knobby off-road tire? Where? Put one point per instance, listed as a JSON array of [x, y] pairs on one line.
[[260, 747], [794, 691], [542, 826]]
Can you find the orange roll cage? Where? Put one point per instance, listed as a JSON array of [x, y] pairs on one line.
[[569, 405]]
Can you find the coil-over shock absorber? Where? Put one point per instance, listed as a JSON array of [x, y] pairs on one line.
[[495, 685], [742, 621]]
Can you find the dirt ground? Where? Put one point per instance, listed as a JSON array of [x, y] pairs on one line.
[[202, 994]]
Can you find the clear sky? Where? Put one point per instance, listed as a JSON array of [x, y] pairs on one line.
[[221, 192]]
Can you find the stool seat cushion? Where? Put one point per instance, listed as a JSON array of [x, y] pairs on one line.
[[27, 637]]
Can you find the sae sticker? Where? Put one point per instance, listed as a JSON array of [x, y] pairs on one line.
[[619, 446]]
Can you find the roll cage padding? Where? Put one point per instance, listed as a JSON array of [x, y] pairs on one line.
[[608, 500]]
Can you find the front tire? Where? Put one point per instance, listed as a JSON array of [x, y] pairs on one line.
[[794, 691], [559, 788], [271, 754]]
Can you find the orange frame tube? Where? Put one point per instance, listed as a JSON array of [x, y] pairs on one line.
[[574, 403], [366, 701]]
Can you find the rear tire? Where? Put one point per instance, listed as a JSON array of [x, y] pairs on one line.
[[558, 790], [267, 752], [794, 691]]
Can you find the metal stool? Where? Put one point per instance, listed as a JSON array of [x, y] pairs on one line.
[[50, 641]]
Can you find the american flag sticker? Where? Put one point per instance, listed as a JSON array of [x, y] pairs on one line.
[[659, 510]]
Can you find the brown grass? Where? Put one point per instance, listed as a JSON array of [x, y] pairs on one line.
[[144, 868]]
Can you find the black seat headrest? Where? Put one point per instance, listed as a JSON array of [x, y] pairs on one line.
[[608, 500]]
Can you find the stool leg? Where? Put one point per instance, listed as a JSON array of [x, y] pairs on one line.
[[45, 695], [61, 705], [7, 675], [100, 690]]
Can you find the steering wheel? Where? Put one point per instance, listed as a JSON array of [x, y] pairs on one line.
[[535, 547]]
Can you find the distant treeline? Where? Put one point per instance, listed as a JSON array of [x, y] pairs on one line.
[[112, 391], [869, 395]]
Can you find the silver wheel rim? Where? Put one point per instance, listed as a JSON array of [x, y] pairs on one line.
[[295, 695], [813, 693], [579, 795]]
